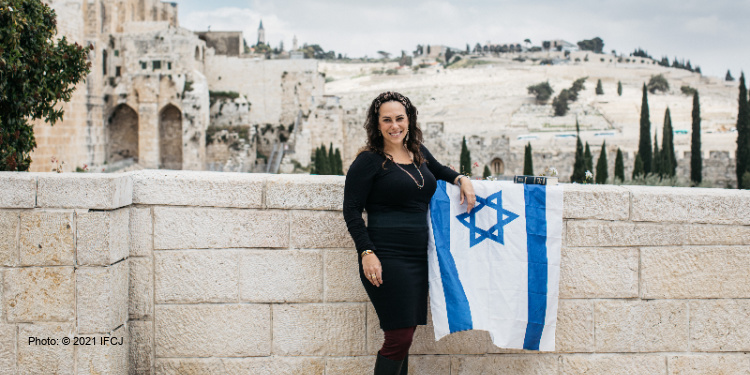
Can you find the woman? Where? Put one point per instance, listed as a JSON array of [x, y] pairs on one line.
[[394, 177]]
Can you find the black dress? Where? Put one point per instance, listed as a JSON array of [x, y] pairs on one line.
[[396, 232]]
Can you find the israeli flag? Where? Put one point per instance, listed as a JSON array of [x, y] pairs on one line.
[[497, 268]]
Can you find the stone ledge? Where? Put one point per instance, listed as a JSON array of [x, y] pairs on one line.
[[305, 192], [690, 205], [19, 189], [605, 202], [100, 191]]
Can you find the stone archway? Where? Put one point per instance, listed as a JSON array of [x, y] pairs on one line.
[[498, 166], [122, 134], [170, 138]]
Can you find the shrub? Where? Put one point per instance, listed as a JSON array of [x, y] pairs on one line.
[[543, 91], [657, 83]]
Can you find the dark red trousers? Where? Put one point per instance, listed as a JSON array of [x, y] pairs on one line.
[[397, 343]]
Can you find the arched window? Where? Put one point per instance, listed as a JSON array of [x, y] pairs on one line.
[[498, 167]]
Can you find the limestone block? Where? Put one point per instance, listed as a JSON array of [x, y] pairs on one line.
[[575, 326], [505, 364], [605, 202], [319, 229], [690, 205], [375, 336], [695, 272], [199, 188], [350, 365], [342, 283], [102, 297], [319, 329], [466, 342], [241, 366], [300, 192], [592, 233], [706, 234], [141, 349], [111, 358], [102, 237], [641, 326], [103, 191], [2, 303], [196, 276], [281, 276], [626, 364], [719, 325], [9, 234], [47, 238], [599, 273], [23, 289], [429, 364], [709, 364], [196, 228], [8, 349], [212, 330], [141, 231], [141, 288], [19, 189], [45, 359]]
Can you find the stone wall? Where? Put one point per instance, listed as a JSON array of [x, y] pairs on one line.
[[203, 272]]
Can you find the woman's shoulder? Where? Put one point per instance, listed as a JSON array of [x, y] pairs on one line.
[[367, 155]]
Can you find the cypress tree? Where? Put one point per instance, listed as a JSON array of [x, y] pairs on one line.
[[331, 160], [487, 172], [339, 163], [601, 165], [638, 167], [588, 159], [528, 163], [743, 134], [619, 88], [656, 166], [669, 161], [323, 167], [599, 89], [619, 167], [696, 161], [644, 145], [579, 172], [465, 165], [314, 161]]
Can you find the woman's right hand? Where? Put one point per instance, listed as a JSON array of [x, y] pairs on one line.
[[371, 267]]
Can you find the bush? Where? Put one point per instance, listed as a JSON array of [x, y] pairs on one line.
[[391, 72], [543, 91], [687, 90], [658, 83], [560, 103]]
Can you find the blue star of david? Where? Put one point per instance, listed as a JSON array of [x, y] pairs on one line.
[[495, 232]]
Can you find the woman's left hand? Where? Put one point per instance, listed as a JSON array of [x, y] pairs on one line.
[[467, 193]]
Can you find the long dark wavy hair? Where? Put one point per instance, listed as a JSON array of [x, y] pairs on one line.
[[375, 142]]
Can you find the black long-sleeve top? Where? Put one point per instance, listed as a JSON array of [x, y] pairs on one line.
[[379, 187]]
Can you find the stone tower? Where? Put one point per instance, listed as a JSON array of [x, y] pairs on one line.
[[261, 34], [294, 43]]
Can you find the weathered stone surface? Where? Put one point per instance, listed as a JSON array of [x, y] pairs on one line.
[[141, 231], [690, 205], [198, 188], [719, 325], [104, 191], [641, 326], [47, 238], [141, 288], [599, 273], [706, 234], [104, 359], [605, 202], [241, 366], [39, 294], [213, 330], [466, 342], [575, 326], [505, 364], [319, 329], [45, 359], [19, 189], [374, 333], [430, 364], [342, 283], [2, 301], [606, 233], [102, 237], [695, 272], [350, 365], [8, 349], [102, 297], [195, 276], [281, 276], [699, 364], [319, 229], [9, 234], [141, 349], [194, 228], [613, 364], [287, 191]]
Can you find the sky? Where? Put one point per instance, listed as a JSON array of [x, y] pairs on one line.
[[711, 34]]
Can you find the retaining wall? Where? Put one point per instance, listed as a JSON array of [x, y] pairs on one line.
[[212, 273]]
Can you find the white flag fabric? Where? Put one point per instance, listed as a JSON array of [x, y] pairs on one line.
[[498, 268]]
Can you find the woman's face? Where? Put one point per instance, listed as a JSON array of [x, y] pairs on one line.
[[393, 123]]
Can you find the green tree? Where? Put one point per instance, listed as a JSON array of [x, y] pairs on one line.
[[465, 164], [696, 161], [729, 77], [579, 171], [619, 88], [321, 163], [528, 163], [588, 159], [658, 83], [656, 166], [644, 145], [37, 73], [596, 44], [599, 88], [669, 161], [542, 91], [743, 133], [601, 166], [331, 160], [619, 167], [638, 167], [560, 103], [339, 163], [487, 172]]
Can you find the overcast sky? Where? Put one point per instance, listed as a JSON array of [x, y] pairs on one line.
[[711, 34]]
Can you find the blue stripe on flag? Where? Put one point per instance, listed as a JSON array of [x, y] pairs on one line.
[[536, 245], [456, 303]]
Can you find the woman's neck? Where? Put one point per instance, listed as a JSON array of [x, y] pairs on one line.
[[398, 153]]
